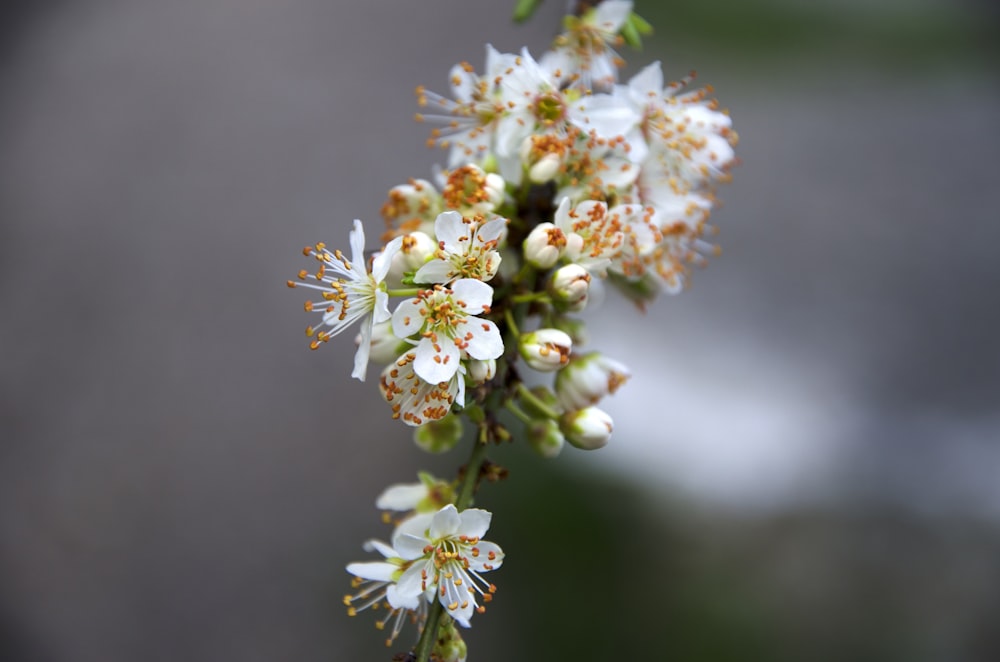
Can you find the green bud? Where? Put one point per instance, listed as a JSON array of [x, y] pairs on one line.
[[545, 438], [524, 9], [439, 436]]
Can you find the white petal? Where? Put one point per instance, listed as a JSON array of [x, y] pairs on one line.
[[449, 228], [382, 548], [364, 349], [435, 271], [646, 85], [492, 229], [382, 261], [378, 571], [480, 563], [358, 249], [611, 15], [475, 522], [401, 497], [401, 600], [605, 114], [408, 546], [410, 583], [486, 341], [445, 523], [436, 362], [463, 82], [475, 294], [406, 319]]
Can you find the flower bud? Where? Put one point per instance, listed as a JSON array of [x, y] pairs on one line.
[[570, 287], [545, 169], [481, 371], [546, 350], [587, 379], [416, 249], [440, 435], [412, 205], [546, 438], [385, 346], [587, 429], [449, 646], [544, 245]]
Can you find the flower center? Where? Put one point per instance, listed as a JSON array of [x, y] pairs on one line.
[[549, 108]]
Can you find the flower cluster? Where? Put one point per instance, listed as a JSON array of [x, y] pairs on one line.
[[557, 176]]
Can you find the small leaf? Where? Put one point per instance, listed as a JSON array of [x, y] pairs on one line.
[[524, 9]]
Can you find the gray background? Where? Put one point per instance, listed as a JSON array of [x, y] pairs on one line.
[[805, 464]]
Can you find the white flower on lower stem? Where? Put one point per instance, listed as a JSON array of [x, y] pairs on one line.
[[466, 248], [445, 318], [375, 583], [447, 557], [588, 429], [350, 293], [416, 400]]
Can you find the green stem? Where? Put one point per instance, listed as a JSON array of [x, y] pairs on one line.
[[525, 394], [404, 292]]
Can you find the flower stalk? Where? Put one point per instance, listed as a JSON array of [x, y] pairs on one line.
[[557, 177]]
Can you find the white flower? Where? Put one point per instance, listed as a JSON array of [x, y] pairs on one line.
[[466, 249], [415, 400], [470, 120], [546, 350], [593, 238], [536, 106], [445, 320], [588, 429], [375, 583], [689, 140], [447, 556], [587, 379], [583, 53], [597, 169], [483, 371], [350, 293]]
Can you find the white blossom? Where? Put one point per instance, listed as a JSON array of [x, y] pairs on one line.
[[546, 350], [447, 558], [349, 292], [445, 319], [466, 249]]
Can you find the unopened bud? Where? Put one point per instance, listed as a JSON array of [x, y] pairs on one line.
[[546, 438], [546, 350], [587, 379], [481, 371], [544, 245], [570, 287], [545, 169], [440, 435], [587, 429], [415, 250]]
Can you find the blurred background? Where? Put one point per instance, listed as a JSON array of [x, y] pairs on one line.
[[805, 464]]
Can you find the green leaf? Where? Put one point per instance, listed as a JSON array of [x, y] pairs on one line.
[[524, 9]]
